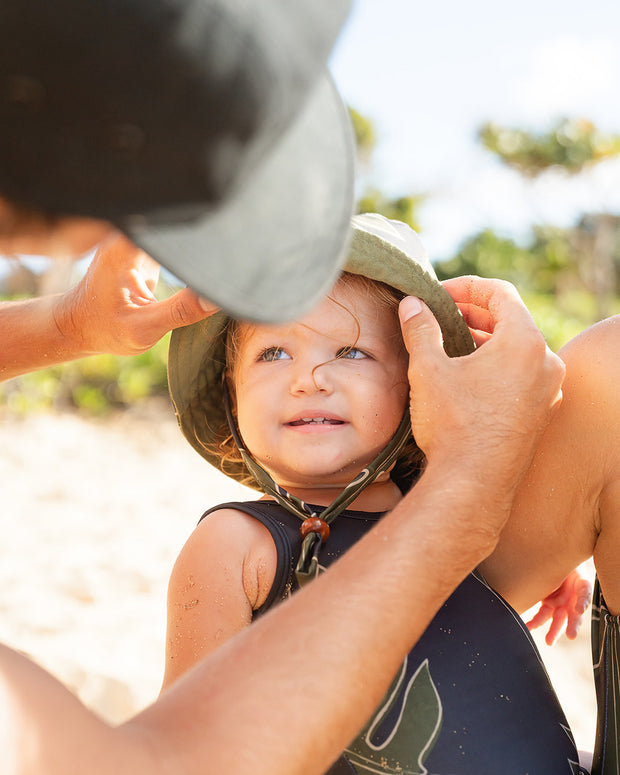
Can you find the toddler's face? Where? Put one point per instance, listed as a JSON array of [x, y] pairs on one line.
[[318, 399]]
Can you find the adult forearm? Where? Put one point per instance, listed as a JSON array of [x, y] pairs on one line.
[[111, 310], [31, 338], [289, 693]]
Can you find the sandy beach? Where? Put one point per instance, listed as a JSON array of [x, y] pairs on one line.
[[94, 514]]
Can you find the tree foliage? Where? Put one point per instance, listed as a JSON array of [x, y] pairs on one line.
[[568, 277], [587, 255], [94, 385], [365, 136], [403, 208], [572, 146], [557, 271]]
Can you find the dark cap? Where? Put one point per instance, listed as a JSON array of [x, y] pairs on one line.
[[207, 130]]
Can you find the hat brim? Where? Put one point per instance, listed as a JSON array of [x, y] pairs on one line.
[[392, 253], [197, 357], [275, 246]]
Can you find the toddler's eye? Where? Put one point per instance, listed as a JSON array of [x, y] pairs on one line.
[[273, 354], [351, 352]]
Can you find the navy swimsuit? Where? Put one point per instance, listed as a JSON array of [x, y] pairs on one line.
[[471, 698]]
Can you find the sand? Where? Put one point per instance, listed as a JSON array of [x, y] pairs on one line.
[[94, 514]]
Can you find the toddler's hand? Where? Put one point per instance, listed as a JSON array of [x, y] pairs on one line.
[[565, 606]]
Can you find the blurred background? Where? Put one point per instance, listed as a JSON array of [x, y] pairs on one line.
[[492, 129], [495, 132]]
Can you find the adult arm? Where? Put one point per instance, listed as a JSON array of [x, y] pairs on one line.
[[112, 310], [287, 694]]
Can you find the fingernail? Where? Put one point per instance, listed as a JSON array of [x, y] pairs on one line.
[[206, 305], [409, 307]]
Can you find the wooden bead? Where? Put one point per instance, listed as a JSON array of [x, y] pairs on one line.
[[315, 525]]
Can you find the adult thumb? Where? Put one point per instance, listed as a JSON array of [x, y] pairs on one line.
[[421, 331], [181, 309]]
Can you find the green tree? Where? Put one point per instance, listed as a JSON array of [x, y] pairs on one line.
[[552, 271], [571, 147], [365, 136], [403, 208]]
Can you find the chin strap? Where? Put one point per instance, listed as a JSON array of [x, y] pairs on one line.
[[315, 527]]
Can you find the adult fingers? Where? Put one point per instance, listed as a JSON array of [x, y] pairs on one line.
[[119, 264], [126, 257], [421, 332], [496, 307], [485, 303], [118, 251], [181, 309], [477, 291]]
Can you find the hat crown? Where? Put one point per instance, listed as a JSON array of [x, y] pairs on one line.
[[395, 233]]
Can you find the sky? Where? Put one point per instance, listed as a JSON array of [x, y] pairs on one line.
[[430, 74]]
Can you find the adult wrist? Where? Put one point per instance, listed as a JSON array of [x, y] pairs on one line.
[[70, 328], [474, 507]]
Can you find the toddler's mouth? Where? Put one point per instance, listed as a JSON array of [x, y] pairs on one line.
[[315, 421]]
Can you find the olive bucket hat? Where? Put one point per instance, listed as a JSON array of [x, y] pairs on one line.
[[383, 250]]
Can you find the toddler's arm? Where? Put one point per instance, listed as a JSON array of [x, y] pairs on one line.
[[223, 572]]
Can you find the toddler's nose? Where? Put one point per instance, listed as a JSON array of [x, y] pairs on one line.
[[312, 378]]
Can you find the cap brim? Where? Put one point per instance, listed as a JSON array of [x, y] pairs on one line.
[[274, 248]]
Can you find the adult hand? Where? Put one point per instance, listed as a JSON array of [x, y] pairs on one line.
[[114, 310], [488, 409]]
